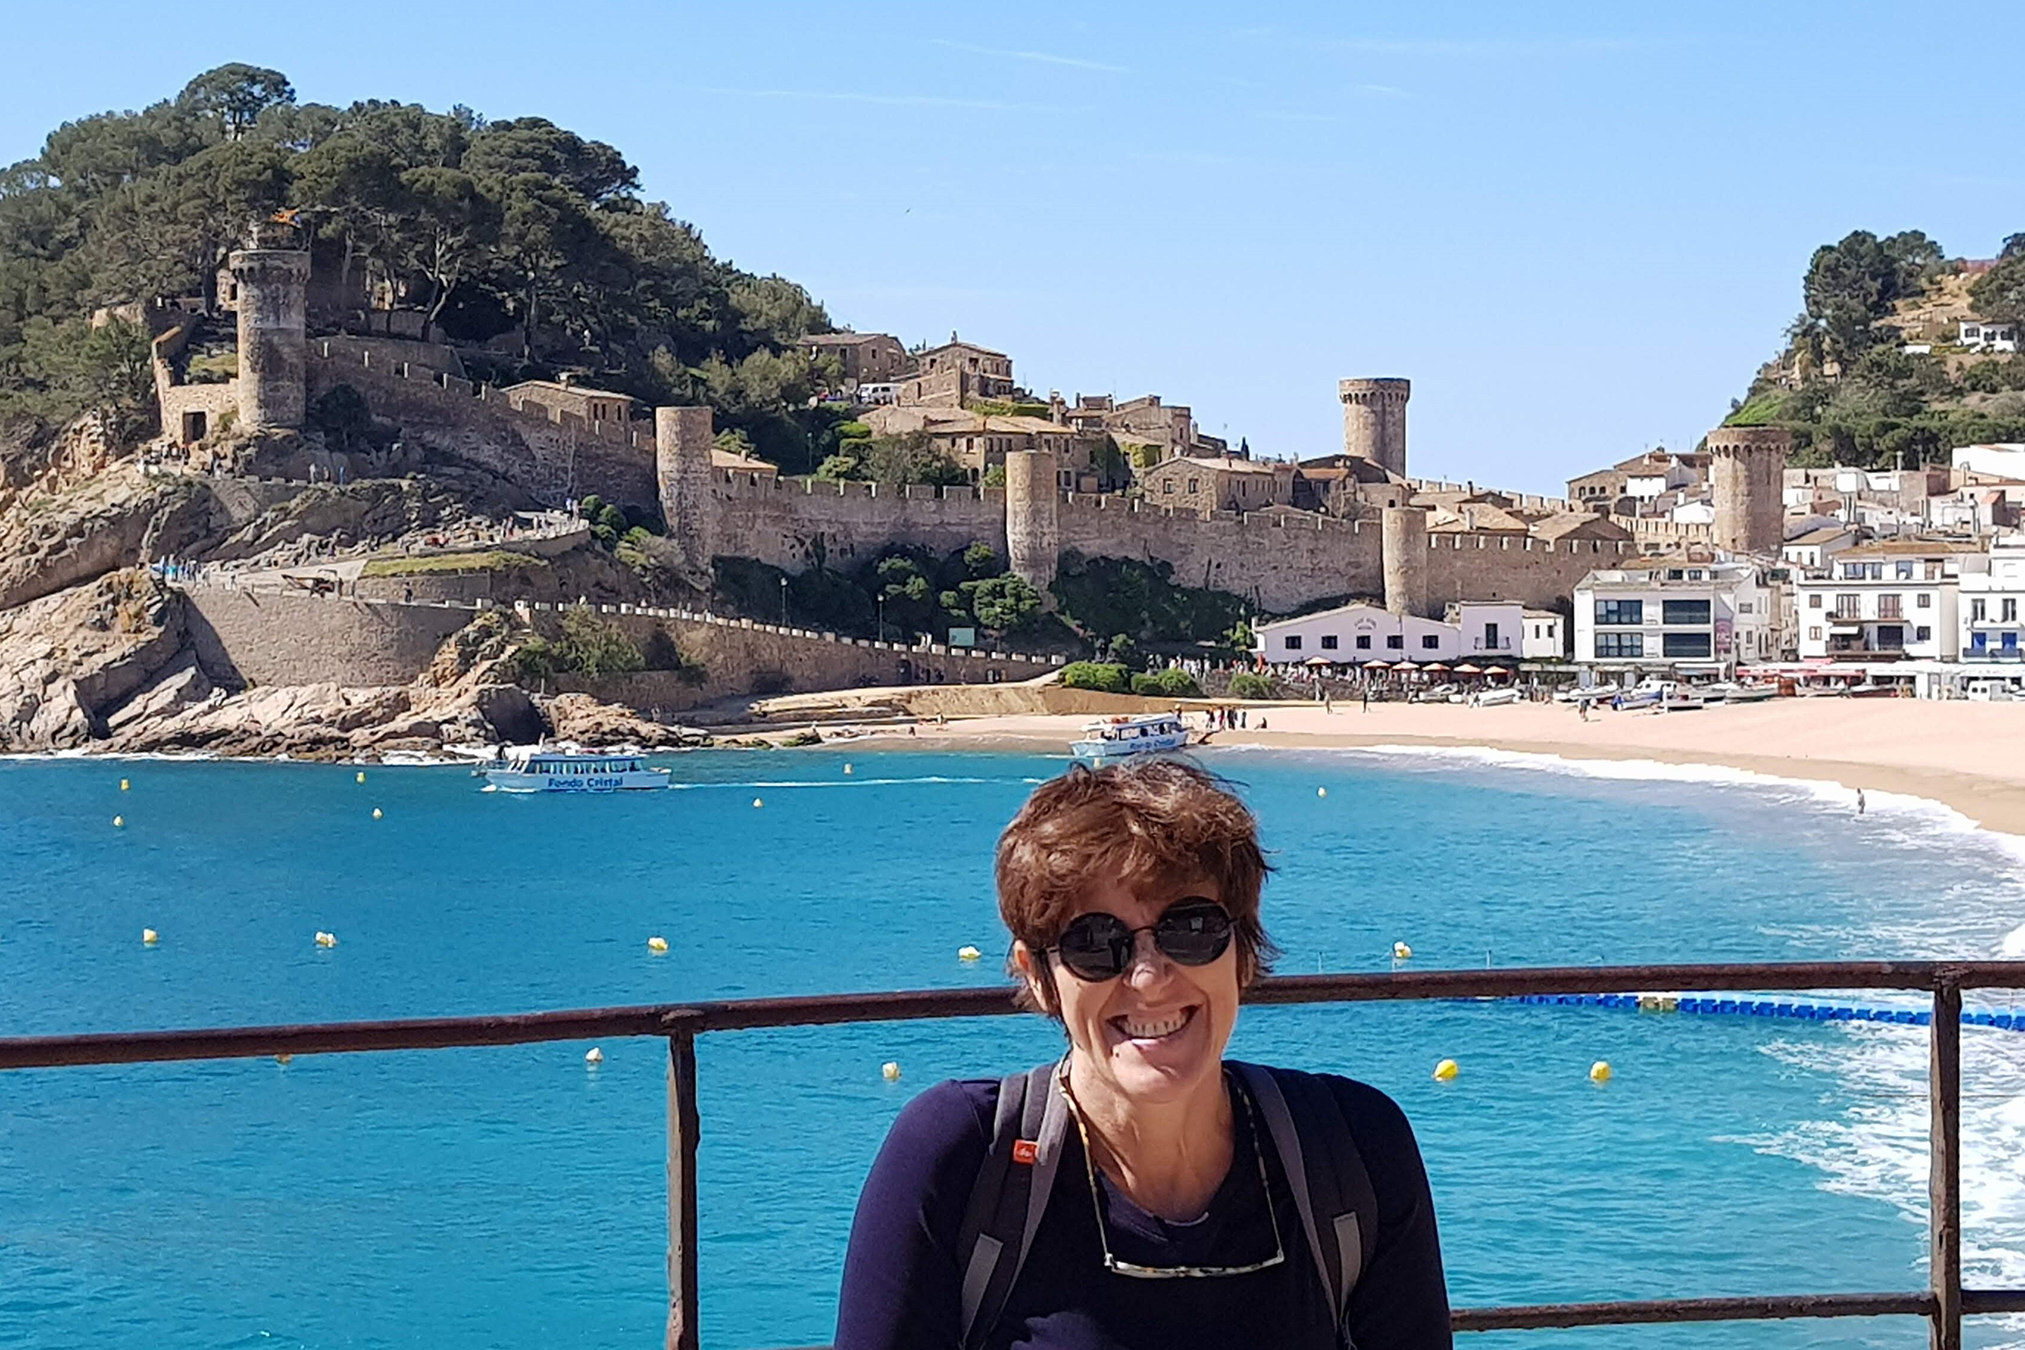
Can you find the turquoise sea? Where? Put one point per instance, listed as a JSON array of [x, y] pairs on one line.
[[514, 1197]]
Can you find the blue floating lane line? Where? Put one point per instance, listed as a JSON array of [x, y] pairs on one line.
[[1707, 1005]]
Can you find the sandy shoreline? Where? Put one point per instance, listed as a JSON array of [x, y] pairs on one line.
[[1968, 756]]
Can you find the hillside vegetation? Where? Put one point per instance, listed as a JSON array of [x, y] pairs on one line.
[[518, 234], [1852, 384]]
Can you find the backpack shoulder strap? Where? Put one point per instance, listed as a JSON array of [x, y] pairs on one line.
[[1009, 1196], [1339, 1210]]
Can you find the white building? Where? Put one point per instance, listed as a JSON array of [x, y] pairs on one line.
[[1892, 597], [1685, 611], [1816, 548], [1999, 459], [1981, 336], [1992, 601], [1353, 634], [1653, 480], [1546, 636]]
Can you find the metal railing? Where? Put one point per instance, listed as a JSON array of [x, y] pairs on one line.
[[1944, 1303]]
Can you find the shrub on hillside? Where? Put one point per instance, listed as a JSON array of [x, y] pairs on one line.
[[1244, 684], [1169, 683], [1105, 679]]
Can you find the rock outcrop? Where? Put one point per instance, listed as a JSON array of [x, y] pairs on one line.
[[66, 660]]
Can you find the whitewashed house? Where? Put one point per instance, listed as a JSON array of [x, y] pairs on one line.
[[1894, 597], [1356, 633], [1992, 604], [1687, 612], [1981, 335], [1546, 636]]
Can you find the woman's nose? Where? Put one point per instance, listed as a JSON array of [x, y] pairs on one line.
[[1148, 963]]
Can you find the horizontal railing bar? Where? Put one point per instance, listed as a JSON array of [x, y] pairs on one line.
[[1537, 1316], [1984, 1302], [130, 1047]]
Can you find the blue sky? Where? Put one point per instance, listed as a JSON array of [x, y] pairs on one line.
[[1576, 228]]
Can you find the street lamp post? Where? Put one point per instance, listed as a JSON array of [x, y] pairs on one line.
[[882, 616], [783, 602]]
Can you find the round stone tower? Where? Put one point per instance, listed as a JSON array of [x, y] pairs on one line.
[[1033, 516], [1374, 420], [1404, 540], [273, 286], [682, 442], [1747, 470]]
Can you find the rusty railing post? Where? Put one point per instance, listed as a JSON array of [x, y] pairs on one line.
[[682, 1130], [1944, 1177]]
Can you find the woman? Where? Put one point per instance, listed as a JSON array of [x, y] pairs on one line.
[[1143, 1192]]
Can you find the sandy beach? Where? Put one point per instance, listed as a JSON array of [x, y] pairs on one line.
[[1969, 756]]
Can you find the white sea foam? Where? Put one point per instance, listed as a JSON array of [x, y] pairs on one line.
[[1876, 1145]]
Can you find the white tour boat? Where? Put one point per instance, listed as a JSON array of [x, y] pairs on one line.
[[1124, 737], [534, 768]]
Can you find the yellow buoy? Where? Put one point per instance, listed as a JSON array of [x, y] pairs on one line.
[[150, 937], [1321, 792], [123, 785], [324, 939], [968, 953], [758, 802], [119, 821], [890, 1071], [1401, 952], [361, 778], [283, 1058], [376, 813], [1446, 1071], [594, 1056], [1600, 1071], [657, 944]]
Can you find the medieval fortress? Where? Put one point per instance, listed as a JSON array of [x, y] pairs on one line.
[[1345, 525]]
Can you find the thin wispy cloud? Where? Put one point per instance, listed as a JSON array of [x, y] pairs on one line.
[[1044, 58], [1477, 48], [851, 96]]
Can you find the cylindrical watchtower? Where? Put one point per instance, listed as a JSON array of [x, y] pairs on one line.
[[1404, 539], [1033, 521], [1374, 420], [682, 442], [1747, 470], [273, 285]]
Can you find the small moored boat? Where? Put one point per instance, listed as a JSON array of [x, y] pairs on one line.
[[1124, 737], [533, 768]]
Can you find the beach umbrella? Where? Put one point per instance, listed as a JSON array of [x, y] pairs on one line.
[[1405, 665], [1434, 665], [1377, 665], [1318, 661], [1469, 668], [1499, 670]]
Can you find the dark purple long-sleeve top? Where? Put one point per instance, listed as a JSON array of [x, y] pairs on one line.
[[902, 1273]]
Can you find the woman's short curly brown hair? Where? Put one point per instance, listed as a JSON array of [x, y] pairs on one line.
[[1150, 825]]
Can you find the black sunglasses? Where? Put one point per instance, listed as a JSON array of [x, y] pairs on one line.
[[1192, 932]]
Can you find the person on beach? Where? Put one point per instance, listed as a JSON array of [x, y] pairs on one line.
[[1143, 1192], [1859, 801]]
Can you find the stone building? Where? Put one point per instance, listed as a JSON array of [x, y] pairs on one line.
[[978, 442], [1374, 420], [552, 398], [865, 358], [1225, 483], [1747, 468], [956, 371]]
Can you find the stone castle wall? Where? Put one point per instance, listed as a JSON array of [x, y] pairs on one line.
[[276, 638], [550, 459], [796, 523]]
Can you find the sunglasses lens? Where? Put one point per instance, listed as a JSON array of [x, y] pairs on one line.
[[1193, 932], [1096, 946]]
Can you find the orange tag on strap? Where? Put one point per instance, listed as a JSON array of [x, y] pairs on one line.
[[1026, 1151]]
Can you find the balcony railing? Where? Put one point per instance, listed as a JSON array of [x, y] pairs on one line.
[[1943, 1303]]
